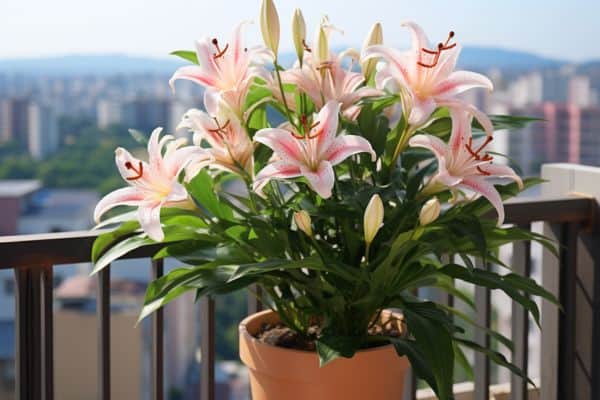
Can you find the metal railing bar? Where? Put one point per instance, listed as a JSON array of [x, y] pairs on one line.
[[47, 277], [482, 363], [28, 336], [595, 364], [254, 303], [158, 343], [567, 318], [73, 247], [520, 321], [103, 313], [207, 348]]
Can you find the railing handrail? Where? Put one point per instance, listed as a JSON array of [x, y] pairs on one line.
[[75, 247]]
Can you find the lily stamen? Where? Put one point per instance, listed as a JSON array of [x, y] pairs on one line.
[[475, 153], [306, 48], [139, 171], [325, 65], [437, 53], [482, 172], [220, 129], [220, 53], [316, 134]]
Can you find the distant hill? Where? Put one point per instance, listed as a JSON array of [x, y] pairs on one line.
[[482, 58], [101, 64], [479, 58]]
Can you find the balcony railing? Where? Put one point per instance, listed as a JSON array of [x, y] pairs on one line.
[[569, 220]]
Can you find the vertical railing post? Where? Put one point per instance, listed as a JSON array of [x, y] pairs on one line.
[[254, 303], [482, 363], [103, 312], [207, 348], [28, 334], [520, 321], [158, 340], [47, 285]]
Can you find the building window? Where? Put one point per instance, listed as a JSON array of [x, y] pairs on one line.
[[9, 286]]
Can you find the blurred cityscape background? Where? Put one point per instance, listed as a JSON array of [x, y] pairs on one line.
[[61, 119]]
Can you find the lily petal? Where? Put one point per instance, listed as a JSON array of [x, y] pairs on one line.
[[328, 123], [397, 61], [421, 110], [281, 142], [277, 169], [127, 196], [149, 218], [419, 38], [460, 105], [487, 190], [503, 171], [192, 73], [346, 145], [461, 81], [432, 143], [461, 127], [321, 180]]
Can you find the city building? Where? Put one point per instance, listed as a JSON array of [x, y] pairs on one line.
[[42, 131], [565, 133], [14, 118]]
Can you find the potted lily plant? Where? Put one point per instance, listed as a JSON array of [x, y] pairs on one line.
[[337, 186]]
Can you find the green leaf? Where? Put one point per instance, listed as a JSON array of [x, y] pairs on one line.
[[173, 233], [429, 326], [312, 262], [494, 356], [104, 241], [202, 190], [410, 349], [493, 280], [120, 249], [187, 55], [331, 347], [117, 219]]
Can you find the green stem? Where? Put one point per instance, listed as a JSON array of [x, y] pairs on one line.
[[402, 143], [280, 83]]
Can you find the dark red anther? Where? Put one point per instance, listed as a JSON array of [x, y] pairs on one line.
[[475, 153], [220, 53], [220, 130], [482, 172], [316, 134], [306, 46], [139, 171], [437, 53]]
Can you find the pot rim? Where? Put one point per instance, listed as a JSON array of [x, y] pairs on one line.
[[250, 338]]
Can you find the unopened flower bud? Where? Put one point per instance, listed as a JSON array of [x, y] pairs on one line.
[[269, 25], [321, 50], [299, 33], [430, 211], [373, 218], [303, 222], [375, 36]]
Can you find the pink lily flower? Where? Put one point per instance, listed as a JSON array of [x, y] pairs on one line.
[[313, 155], [325, 80], [153, 184], [228, 71], [230, 146], [463, 164], [426, 77]]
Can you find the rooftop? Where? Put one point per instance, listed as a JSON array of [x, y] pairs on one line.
[[18, 187]]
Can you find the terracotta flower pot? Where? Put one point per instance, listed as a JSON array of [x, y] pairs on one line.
[[283, 374]]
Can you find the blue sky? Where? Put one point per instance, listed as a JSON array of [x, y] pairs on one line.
[[554, 28]]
